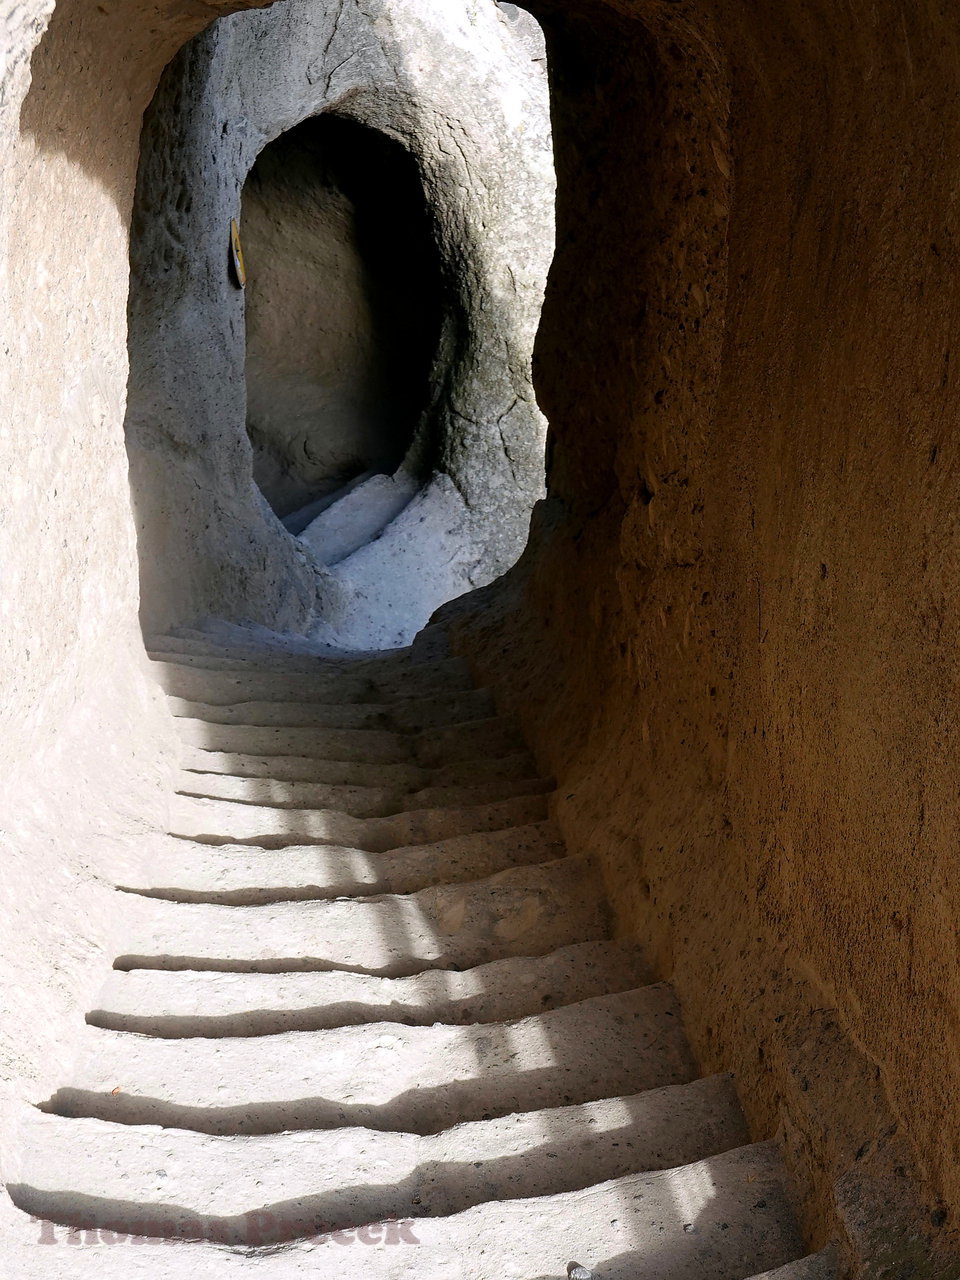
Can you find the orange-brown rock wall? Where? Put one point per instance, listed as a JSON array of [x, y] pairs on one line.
[[734, 636]]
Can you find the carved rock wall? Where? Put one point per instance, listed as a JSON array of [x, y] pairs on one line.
[[85, 743], [734, 638], [452, 82]]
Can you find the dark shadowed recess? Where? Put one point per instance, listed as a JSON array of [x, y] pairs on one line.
[[337, 391]]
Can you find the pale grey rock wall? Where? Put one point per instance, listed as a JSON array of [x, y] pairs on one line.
[[86, 742], [451, 82], [526, 29]]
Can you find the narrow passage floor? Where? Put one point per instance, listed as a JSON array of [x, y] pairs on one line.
[[368, 1019]]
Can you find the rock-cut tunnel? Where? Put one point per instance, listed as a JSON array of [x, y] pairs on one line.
[[478, 724]]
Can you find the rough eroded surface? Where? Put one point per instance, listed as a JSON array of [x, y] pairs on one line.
[[453, 83], [266, 1076]]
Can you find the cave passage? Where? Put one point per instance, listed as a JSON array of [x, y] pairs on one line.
[[344, 306]]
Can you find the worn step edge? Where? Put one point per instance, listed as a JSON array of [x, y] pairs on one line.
[[474, 739], [92, 1173], [403, 715], [207, 1005], [257, 649], [216, 821], [528, 910], [723, 1218], [290, 658], [306, 677], [383, 1075], [825, 1265], [245, 875], [196, 760], [358, 802]]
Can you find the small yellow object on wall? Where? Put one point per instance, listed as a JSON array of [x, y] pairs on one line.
[[236, 255]]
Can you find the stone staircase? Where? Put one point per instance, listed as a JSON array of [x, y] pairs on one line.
[[367, 1019]]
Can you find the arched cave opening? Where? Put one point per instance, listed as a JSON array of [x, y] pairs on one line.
[[343, 310], [353, 438]]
